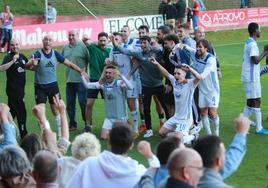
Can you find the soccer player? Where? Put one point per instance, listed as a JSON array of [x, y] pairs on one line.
[[250, 76], [76, 52], [98, 53], [183, 90], [14, 65], [44, 62], [151, 78], [114, 95], [124, 64], [209, 89]]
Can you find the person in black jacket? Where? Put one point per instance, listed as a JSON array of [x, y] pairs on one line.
[[14, 65]]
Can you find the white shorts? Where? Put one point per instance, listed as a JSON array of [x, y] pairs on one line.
[[252, 89], [178, 125], [133, 93], [209, 100], [108, 123]]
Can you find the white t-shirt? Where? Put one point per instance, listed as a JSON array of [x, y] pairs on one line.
[[250, 71], [183, 96]]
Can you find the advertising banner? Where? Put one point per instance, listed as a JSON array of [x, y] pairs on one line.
[[115, 24], [232, 18], [30, 36]]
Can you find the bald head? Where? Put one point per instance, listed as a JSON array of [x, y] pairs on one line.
[[14, 45], [45, 167], [186, 165], [47, 42], [73, 36]]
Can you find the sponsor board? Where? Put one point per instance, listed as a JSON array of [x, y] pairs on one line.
[[232, 18], [115, 24], [30, 36]]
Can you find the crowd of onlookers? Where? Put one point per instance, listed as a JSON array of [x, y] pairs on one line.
[[40, 161]]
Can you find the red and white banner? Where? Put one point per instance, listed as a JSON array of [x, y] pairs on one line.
[[232, 18], [30, 36]]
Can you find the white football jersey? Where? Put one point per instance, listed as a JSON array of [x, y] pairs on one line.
[[250, 72], [183, 96]]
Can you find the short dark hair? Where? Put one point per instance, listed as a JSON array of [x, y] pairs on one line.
[[147, 38], [252, 27], [102, 34], [209, 149], [144, 27], [117, 34], [45, 165], [31, 144], [172, 37], [204, 42], [164, 29], [165, 147], [120, 139]]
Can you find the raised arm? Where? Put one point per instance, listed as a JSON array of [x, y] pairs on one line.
[[91, 85], [126, 82], [6, 66], [125, 51], [197, 76], [162, 69], [8, 129], [237, 149]]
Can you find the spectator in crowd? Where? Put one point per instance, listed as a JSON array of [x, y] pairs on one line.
[[220, 164], [31, 144], [151, 78], [110, 168], [14, 65], [7, 20], [169, 13], [202, 5], [196, 11], [115, 97], [185, 168], [45, 62], [50, 14], [45, 169], [153, 176], [76, 51], [98, 53], [245, 4], [49, 138], [161, 6], [250, 76], [181, 11], [84, 145], [15, 168], [8, 129]]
